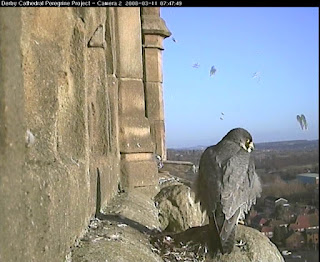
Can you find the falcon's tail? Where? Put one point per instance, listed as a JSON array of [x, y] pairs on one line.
[[214, 243], [228, 244], [223, 233]]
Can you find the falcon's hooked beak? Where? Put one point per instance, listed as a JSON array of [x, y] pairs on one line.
[[248, 146]]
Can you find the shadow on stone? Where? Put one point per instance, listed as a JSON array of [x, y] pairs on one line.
[[120, 219]]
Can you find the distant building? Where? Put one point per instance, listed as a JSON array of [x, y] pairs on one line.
[[304, 222], [295, 240], [267, 231], [276, 223], [312, 236], [262, 222], [258, 221], [281, 202], [309, 178], [271, 202]]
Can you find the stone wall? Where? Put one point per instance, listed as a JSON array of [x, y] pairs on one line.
[[154, 30], [81, 117]]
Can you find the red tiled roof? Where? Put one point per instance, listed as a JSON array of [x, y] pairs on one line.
[[305, 221], [295, 227], [266, 229], [262, 221]]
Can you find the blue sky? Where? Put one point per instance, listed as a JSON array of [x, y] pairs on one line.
[[281, 44]]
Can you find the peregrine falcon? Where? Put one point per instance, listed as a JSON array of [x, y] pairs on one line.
[[302, 121], [212, 71], [227, 186]]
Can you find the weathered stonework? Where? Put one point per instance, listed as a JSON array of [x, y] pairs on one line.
[[75, 122], [154, 31], [134, 126]]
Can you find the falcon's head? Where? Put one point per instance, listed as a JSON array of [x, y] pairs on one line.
[[241, 137]]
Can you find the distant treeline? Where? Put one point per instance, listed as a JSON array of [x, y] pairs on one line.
[[286, 160], [298, 157], [295, 145]]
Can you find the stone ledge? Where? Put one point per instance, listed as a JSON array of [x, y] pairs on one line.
[[121, 232], [154, 25]]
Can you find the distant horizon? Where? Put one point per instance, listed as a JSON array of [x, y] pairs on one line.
[[196, 146]]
